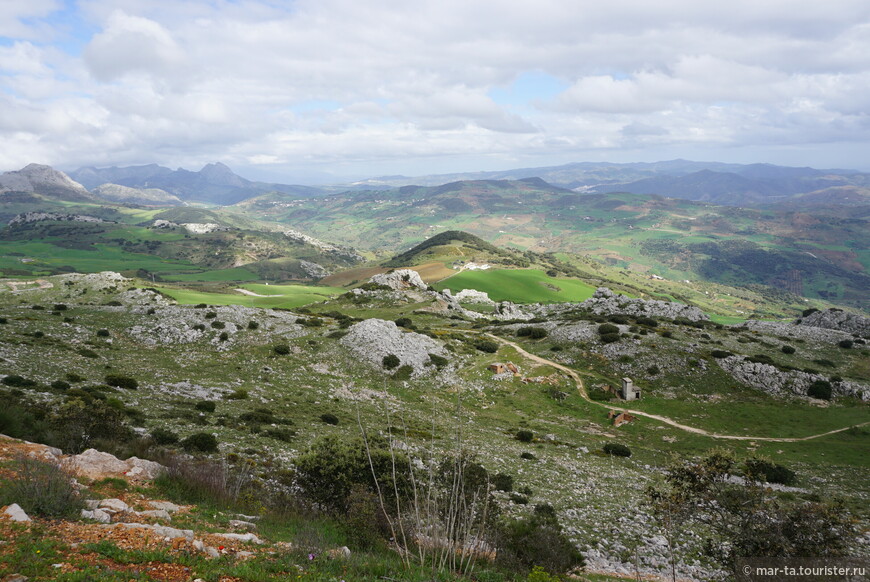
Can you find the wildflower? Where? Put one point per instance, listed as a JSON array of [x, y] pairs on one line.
[[310, 556]]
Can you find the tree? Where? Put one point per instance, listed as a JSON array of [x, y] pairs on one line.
[[745, 519]]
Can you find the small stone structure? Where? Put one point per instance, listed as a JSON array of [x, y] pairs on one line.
[[619, 418], [629, 390], [500, 368]]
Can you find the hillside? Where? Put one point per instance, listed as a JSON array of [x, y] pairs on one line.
[[814, 256], [285, 394]]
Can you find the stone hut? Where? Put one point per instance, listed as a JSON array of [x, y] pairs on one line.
[[629, 390]]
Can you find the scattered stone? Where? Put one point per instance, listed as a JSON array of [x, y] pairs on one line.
[[143, 469], [96, 515], [838, 320], [93, 464], [14, 578], [372, 339], [339, 553], [161, 530], [15, 513], [164, 505], [248, 537], [240, 524], [115, 505], [156, 514], [474, 296]]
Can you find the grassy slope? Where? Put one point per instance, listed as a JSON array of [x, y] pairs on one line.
[[518, 285]]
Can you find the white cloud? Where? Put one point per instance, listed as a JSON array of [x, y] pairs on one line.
[[359, 85]]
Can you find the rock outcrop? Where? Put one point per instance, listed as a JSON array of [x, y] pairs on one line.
[[335, 250], [400, 280], [373, 339], [15, 513], [606, 302], [838, 320], [93, 464], [774, 381], [56, 216], [45, 180], [474, 296]]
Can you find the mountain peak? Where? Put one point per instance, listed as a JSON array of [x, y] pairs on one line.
[[43, 179]]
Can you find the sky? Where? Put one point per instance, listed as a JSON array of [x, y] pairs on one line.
[[308, 91]]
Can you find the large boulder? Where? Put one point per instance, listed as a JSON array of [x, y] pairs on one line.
[[94, 464], [839, 320], [400, 280], [15, 513], [373, 339], [606, 302]]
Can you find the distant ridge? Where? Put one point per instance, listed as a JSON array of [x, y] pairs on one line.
[[46, 181], [445, 238]]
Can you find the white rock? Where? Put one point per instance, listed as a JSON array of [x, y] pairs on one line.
[[15, 513], [97, 515], [156, 514], [248, 537], [113, 505], [93, 464], [164, 505]]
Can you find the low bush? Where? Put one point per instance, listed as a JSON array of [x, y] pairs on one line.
[[199, 327], [528, 456], [537, 541], [164, 437], [224, 336], [820, 389], [403, 373], [503, 482], [281, 434], [760, 359], [486, 346], [607, 328], [405, 322], [719, 354], [60, 385], [786, 349], [825, 362], [653, 370], [609, 338], [253, 325], [281, 349], [42, 489], [763, 470], [438, 361], [87, 353], [524, 436], [205, 406], [616, 450], [17, 381], [218, 324], [121, 381], [237, 394], [391, 361], [846, 344], [329, 418], [200, 442], [60, 307], [102, 333]]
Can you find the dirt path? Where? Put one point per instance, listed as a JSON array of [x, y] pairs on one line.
[[581, 388], [252, 294], [42, 284]]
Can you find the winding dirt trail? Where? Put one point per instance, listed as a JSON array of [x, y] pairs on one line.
[[581, 388]]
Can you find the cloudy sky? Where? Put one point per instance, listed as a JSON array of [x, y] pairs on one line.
[[305, 90]]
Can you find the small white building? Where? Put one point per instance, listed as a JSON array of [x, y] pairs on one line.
[[629, 390]]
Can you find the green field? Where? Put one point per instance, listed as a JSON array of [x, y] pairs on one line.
[[100, 257], [234, 274], [282, 296], [519, 285]]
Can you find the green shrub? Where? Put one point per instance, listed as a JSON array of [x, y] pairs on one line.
[[438, 361], [518, 498], [667, 333], [825, 362], [102, 333], [87, 353], [486, 346], [78, 424], [538, 333], [281, 434], [224, 336], [17, 381], [205, 406], [199, 327], [218, 324], [329, 418], [281, 349], [786, 349], [820, 389], [809, 311], [719, 354], [760, 359], [528, 456], [253, 325], [3, 321], [405, 322], [210, 315], [164, 436], [403, 373], [537, 540], [200, 442], [121, 381], [763, 470], [237, 394], [42, 489], [503, 482], [391, 361], [258, 416], [60, 385], [653, 370], [617, 450], [647, 321], [60, 307], [607, 328], [845, 344], [524, 435], [609, 338]]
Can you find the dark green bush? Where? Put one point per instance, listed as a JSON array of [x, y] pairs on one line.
[[825, 362], [205, 406], [820, 389], [200, 442], [403, 373], [607, 328], [537, 540], [329, 418], [60, 385], [405, 322], [667, 334], [199, 327], [121, 381], [102, 333], [617, 450], [653, 370], [17, 381], [253, 325], [281, 349], [647, 321], [258, 416], [237, 394], [210, 315], [60, 307], [763, 470], [528, 456], [391, 361], [164, 437], [218, 324], [3, 321], [845, 344], [609, 338], [519, 498], [786, 349], [760, 359], [438, 361], [719, 354], [281, 434], [524, 435], [487, 346], [809, 311], [224, 336], [538, 333], [503, 482]]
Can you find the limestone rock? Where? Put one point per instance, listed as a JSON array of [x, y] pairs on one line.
[[156, 514], [143, 469], [240, 524], [246, 537], [474, 296], [373, 339], [14, 578], [400, 280], [15, 513], [164, 505], [838, 320], [97, 515], [113, 505], [93, 464]]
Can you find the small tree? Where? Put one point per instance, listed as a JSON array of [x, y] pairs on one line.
[[391, 361]]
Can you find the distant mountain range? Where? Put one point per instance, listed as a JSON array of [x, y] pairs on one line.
[[833, 191]]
